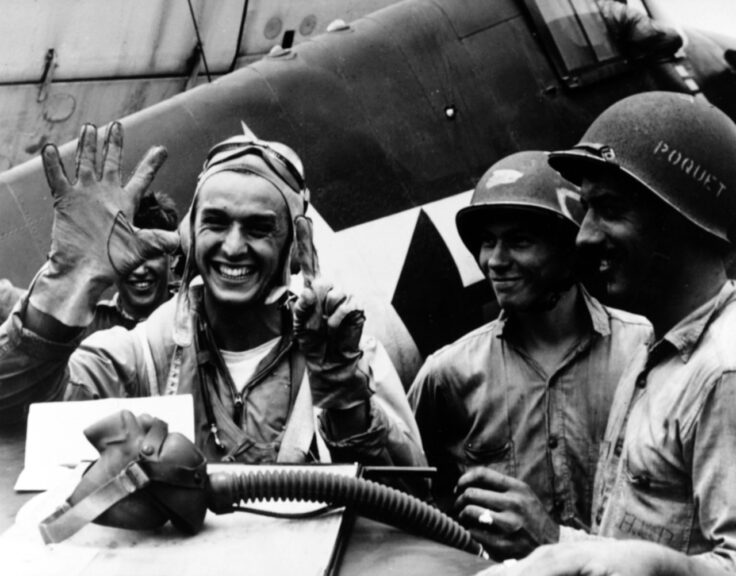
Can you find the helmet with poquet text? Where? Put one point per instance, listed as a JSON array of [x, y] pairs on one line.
[[676, 146]]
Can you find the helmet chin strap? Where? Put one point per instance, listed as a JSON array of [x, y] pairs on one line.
[[660, 267], [642, 300], [554, 295], [550, 303]]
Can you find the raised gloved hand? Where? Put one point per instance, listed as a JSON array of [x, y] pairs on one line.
[[328, 325], [93, 242]]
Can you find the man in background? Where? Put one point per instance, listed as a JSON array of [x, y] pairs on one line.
[[140, 292]]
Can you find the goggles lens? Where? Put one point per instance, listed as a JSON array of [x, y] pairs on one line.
[[277, 162]]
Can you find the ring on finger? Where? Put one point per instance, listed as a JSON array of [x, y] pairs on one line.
[[486, 517]]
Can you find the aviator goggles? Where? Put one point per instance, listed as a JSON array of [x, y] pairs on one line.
[[238, 147]]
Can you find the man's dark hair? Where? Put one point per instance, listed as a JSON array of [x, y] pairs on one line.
[[156, 210]]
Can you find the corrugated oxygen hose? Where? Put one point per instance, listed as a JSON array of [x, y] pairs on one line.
[[369, 499]]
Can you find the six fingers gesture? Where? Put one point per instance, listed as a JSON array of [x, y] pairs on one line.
[[93, 242]]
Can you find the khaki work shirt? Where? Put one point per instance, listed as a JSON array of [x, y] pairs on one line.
[[667, 471], [482, 401]]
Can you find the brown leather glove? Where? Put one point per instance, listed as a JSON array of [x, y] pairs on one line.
[[93, 242], [328, 325]]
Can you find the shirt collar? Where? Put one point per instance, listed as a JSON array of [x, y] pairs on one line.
[[599, 317], [115, 303], [686, 334], [188, 302]]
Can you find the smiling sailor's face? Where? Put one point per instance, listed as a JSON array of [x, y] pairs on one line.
[[145, 288], [523, 261], [240, 231], [621, 234]]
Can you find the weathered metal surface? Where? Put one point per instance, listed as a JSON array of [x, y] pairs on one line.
[[268, 20], [66, 62], [27, 124], [135, 38], [114, 38]]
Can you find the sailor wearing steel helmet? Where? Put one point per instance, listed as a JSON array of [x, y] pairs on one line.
[[660, 212], [256, 358], [658, 178], [523, 401]]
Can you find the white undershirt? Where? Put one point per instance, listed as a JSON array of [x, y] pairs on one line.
[[242, 365]]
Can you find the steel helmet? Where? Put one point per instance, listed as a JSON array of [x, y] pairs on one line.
[[522, 181], [678, 147]]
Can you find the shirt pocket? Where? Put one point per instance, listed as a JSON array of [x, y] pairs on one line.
[[655, 505], [498, 455], [668, 488], [652, 466]]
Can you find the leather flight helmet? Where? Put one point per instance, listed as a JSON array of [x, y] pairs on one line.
[[679, 147], [521, 181]]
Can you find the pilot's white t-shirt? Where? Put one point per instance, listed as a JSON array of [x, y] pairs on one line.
[[242, 365]]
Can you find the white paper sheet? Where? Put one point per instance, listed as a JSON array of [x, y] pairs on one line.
[[55, 442]]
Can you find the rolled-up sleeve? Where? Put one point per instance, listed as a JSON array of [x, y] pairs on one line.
[[34, 369]]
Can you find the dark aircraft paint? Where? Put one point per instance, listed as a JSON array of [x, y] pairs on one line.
[[452, 311]]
